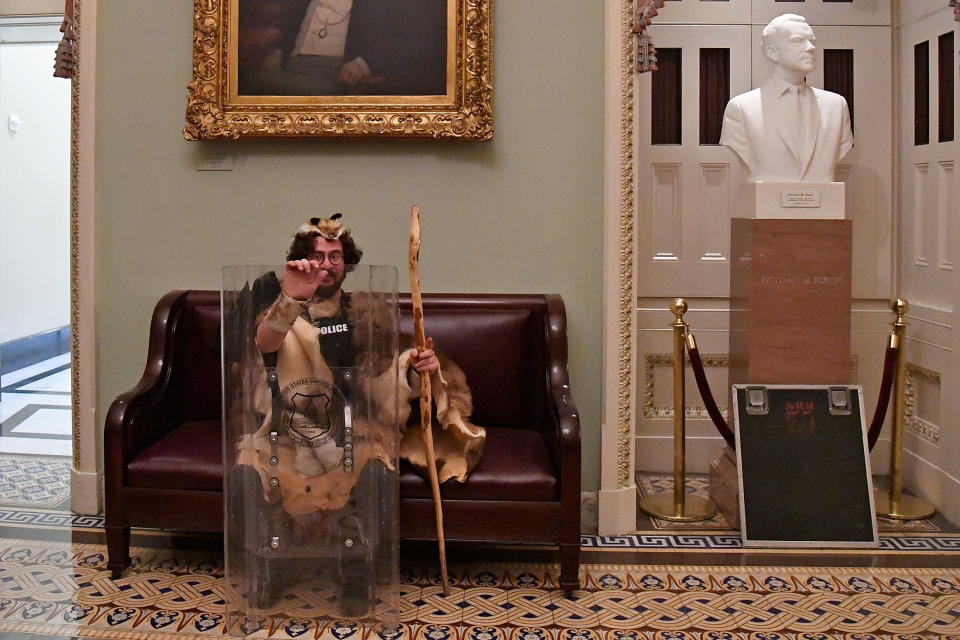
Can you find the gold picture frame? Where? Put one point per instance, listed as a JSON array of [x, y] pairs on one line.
[[243, 88]]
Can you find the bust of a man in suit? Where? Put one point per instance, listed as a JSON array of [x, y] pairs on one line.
[[787, 131]]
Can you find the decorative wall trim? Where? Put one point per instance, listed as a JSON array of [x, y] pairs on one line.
[[646, 53], [75, 232], [914, 424], [64, 62], [654, 360], [85, 491], [625, 272]]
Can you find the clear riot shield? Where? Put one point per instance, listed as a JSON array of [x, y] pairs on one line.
[[311, 456]]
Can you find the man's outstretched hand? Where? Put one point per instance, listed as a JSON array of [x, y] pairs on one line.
[[301, 278]]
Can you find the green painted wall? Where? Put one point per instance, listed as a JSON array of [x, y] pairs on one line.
[[521, 213], [31, 7]]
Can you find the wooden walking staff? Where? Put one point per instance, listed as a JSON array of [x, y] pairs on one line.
[[425, 396]]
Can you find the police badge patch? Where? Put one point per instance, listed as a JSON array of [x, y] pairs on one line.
[[312, 411]]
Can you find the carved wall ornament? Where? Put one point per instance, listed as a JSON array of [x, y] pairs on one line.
[[216, 109], [923, 429], [654, 360], [646, 53], [65, 61]]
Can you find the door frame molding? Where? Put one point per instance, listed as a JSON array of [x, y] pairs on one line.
[[617, 497], [87, 477]]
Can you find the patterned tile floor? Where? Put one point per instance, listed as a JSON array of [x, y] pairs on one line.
[[35, 481], [63, 589]]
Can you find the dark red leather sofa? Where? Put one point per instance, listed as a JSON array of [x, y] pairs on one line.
[[163, 444]]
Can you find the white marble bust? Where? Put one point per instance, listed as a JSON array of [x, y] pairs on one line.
[[787, 131]]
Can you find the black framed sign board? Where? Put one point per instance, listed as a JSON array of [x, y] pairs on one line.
[[804, 466]]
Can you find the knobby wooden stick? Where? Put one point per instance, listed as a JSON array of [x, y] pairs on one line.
[[425, 396]]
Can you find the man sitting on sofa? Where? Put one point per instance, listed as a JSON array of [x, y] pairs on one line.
[[325, 465]]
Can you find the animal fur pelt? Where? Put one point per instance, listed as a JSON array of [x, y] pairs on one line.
[[458, 442], [310, 478]]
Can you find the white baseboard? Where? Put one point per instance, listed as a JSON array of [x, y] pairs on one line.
[[85, 491], [589, 512], [655, 453], [933, 483], [618, 511]]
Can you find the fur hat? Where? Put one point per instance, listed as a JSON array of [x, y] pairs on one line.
[[330, 228]]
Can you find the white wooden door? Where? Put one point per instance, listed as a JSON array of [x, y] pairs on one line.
[[687, 191], [929, 235]]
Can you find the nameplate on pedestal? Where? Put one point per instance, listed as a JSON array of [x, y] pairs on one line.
[[810, 200], [793, 199]]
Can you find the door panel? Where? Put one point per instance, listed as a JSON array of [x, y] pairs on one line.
[[927, 251], [687, 192]]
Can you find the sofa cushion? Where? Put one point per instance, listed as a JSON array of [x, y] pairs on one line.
[[189, 457], [515, 466], [196, 378], [498, 352]]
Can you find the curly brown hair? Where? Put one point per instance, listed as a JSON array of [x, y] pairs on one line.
[[302, 246]]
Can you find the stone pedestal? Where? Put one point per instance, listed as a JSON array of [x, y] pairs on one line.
[[790, 300], [808, 200]]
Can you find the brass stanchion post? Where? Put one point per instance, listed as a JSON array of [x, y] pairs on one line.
[[892, 503], [678, 507]]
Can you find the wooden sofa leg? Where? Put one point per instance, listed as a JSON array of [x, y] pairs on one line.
[[118, 549], [569, 568]]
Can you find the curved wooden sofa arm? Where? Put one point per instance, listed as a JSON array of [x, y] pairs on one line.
[[563, 409], [148, 392]]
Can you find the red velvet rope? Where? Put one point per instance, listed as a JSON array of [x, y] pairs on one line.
[[696, 364], [883, 398], [879, 413]]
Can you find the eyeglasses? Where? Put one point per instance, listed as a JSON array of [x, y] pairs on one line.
[[335, 257]]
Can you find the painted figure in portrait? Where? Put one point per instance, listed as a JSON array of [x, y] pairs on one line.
[[342, 47]]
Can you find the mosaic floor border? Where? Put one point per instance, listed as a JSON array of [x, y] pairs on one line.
[[913, 542], [20, 517], [902, 543], [65, 589]]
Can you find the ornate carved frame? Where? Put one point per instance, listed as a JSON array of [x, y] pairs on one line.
[[465, 113]]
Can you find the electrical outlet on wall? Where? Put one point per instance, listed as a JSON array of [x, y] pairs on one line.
[[13, 123]]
